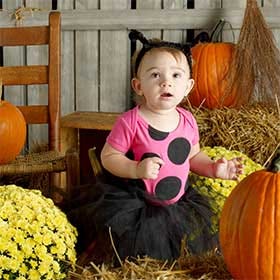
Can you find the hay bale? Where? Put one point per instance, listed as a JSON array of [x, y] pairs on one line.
[[209, 266], [253, 129]]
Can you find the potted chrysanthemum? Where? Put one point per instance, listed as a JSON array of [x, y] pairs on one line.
[[36, 239], [218, 189]]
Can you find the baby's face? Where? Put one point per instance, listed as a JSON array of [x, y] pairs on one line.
[[164, 79]]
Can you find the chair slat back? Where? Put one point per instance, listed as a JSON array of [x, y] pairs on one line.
[[24, 36], [24, 75]]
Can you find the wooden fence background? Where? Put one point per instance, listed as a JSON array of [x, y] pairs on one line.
[[96, 50]]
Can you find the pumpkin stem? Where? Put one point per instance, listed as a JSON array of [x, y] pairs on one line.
[[274, 165], [218, 28]]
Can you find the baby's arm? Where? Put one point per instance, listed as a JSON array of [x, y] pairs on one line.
[[202, 165], [120, 165]]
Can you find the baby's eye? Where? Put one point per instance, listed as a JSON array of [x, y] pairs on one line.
[[177, 75], [155, 75]]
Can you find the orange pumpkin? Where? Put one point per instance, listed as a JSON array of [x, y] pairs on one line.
[[250, 227], [12, 131], [211, 64]]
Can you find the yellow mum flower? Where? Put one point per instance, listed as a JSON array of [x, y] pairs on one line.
[[47, 239], [34, 275], [56, 267], [14, 264], [19, 236], [4, 262], [44, 267]]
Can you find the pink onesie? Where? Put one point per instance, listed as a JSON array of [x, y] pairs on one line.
[[132, 133]]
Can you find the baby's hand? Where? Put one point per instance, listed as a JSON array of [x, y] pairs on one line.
[[228, 169], [149, 168]]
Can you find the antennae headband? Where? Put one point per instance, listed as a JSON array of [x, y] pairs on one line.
[[135, 35]]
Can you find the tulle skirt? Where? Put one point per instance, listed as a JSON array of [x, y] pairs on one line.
[[142, 226]]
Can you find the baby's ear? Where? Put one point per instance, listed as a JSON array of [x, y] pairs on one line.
[[189, 86], [136, 85]]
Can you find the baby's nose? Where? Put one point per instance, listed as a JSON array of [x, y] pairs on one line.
[[165, 82]]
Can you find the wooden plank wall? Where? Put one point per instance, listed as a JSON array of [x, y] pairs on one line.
[[96, 51]]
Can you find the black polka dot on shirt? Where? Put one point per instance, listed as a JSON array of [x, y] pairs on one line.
[[156, 134], [130, 155], [149, 155], [168, 187], [178, 150]]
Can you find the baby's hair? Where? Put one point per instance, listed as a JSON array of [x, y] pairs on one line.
[[174, 52]]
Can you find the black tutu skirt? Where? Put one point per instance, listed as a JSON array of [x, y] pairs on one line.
[[142, 226]]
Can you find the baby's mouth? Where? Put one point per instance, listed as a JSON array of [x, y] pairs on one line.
[[166, 94]]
